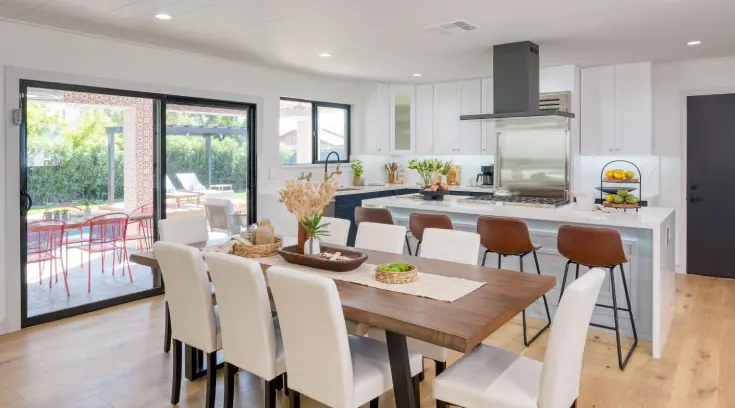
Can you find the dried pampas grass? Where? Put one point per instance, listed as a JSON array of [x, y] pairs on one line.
[[305, 199]]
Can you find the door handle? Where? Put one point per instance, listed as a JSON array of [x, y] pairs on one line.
[[27, 202], [693, 198]]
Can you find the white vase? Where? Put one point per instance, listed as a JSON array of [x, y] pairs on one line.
[[311, 247], [87, 211]]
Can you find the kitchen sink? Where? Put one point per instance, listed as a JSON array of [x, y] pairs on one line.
[[347, 189]]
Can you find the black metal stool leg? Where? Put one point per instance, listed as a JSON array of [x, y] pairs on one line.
[[576, 274], [632, 321], [500, 260], [564, 280], [485, 256], [526, 341], [417, 248], [408, 245]]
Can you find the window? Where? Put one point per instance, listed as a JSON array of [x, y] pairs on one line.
[[309, 131]]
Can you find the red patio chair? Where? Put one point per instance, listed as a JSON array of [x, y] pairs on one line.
[[143, 229], [107, 233], [67, 241], [44, 240]]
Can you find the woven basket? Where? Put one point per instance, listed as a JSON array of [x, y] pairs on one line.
[[257, 251], [396, 277]]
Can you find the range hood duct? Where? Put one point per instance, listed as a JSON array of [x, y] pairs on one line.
[[516, 84]]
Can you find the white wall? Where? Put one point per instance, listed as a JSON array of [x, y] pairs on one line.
[[101, 62], [672, 83]]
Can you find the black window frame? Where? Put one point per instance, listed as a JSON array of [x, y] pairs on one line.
[[315, 105]]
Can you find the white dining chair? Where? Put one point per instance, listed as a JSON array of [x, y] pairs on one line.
[[445, 245], [182, 230], [220, 215], [380, 237], [492, 377], [323, 361], [194, 318], [339, 231], [251, 338]]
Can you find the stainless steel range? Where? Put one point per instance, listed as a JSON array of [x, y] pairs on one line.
[[519, 201]]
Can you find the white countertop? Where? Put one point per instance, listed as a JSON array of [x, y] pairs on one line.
[[646, 217], [388, 187]]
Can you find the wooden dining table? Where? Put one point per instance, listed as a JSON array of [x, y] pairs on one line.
[[460, 325]]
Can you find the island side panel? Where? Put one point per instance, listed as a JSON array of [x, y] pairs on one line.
[[664, 283]]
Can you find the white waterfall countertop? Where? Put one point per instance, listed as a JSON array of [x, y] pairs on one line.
[[349, 190], [646, 217]]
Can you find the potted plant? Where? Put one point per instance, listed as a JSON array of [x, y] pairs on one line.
[[57, 215], [444, 171], [315, 230], [87, 203], [306, 200], [65, 214], [48, 215], [426, 169], [358, 170]]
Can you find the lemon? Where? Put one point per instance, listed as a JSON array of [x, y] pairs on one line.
[[619, 175], [629, 174], [609, 174], [609, 198]]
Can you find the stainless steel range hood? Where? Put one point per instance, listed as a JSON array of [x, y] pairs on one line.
[[516, 84]]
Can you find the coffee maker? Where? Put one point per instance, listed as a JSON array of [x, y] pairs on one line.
[[485, 179]]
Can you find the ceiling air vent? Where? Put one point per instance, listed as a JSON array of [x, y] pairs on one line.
[[451, 27]]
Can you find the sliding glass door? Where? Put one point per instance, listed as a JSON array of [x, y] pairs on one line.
[[100, 167], [210, 166]]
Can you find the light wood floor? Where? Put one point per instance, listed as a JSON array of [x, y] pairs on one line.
[[114, 358]]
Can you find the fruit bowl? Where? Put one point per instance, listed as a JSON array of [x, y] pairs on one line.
[[396, 273]]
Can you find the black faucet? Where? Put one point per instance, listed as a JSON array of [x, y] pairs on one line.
[[327, 176]]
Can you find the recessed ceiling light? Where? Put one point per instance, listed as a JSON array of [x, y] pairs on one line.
[[163, 16], [693, 43], [418, 74], [325, 54]]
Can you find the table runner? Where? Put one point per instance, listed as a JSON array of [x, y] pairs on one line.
[[444, 288]]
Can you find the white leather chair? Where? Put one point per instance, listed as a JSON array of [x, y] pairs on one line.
[[492, 377], [251, 338], [194, 318], [445, 245], [182, 230], [380, 237], [339, 231], [323, 361]]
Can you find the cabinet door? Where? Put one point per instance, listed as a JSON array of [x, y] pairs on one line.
[[470, 130], [633, 109], [425, 119], [402, 119], [598, 111], [446, 118], [488, 126], [382, 120]]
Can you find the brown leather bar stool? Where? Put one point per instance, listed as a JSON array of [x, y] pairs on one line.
[[510, 237], [418, 222], [598, 248]]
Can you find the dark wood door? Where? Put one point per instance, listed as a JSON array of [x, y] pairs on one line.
[[710, 184]]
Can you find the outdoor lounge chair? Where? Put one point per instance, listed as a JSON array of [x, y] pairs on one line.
[[170, 187], [190, 182]]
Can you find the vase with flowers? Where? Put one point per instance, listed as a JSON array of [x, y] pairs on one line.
[[306, 200], [426, 169], [357, 170]]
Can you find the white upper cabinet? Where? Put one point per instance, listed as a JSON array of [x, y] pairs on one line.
[[402, 119], [616, 113], [447, 108], [597, 116], [471, 104], [488, 126], [425, 119], [377, 118], [633, 109]]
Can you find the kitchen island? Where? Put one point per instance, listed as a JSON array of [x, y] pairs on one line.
[[648, 238]]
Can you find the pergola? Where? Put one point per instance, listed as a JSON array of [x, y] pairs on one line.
[[173, 130]]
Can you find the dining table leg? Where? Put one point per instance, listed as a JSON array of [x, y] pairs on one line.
[[400, 368]]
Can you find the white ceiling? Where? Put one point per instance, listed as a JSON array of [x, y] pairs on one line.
[[384, 40]]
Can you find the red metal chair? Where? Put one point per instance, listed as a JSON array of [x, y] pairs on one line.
[[107, 233], [44, 241], [143, 232], [71, 208]]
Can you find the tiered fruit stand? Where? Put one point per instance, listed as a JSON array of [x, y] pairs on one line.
[[604, 181]]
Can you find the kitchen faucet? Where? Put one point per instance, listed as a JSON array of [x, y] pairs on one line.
[[327, 176]]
